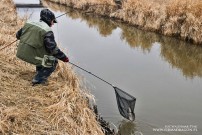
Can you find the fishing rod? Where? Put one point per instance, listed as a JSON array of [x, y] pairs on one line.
[[9, 44], [126, 102], [17, 39], [62, 14]]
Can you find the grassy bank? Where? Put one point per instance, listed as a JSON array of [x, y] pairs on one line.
[[59, 108], [177, 18]]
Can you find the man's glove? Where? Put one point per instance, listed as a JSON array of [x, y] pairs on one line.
[[65, 59]]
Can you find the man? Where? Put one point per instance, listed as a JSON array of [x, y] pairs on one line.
[[37, 46]]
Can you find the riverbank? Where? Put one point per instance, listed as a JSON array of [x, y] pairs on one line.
[[180, 19], [59, 108]]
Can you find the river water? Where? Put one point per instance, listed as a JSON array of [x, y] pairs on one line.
[[164, 74]]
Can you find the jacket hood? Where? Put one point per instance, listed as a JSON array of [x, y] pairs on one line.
[[47, 16]]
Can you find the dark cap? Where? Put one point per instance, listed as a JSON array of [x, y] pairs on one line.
[[47, 16]]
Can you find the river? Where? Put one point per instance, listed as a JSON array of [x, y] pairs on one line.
[[163, 73]]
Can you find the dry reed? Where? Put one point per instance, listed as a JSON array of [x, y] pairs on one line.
[[59, 108], [8, 22]]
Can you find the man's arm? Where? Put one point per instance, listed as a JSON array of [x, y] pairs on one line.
[[18, 34], [51, 47]]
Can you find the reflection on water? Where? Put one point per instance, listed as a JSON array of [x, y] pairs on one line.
[[104, 26], [183, 56], [137, 38]]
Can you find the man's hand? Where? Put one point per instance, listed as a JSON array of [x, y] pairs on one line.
[[65, 59]]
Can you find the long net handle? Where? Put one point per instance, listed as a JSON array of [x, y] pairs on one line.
[[92, 74]]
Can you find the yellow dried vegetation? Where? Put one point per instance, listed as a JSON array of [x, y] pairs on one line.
[[8, 22], [179, 18], [184, 20], [59, 108], [100, 7]]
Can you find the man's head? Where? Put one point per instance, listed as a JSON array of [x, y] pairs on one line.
[[47, 16]]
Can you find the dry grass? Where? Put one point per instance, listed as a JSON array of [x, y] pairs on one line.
[[100, 7], [8, 22], [179, 18], [59, 108]]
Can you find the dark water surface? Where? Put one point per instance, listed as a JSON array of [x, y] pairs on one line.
[[164, 74]]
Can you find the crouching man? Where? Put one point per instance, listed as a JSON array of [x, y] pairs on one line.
[[37, 46]]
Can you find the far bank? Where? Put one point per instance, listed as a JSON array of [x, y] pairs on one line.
[[179, 19]]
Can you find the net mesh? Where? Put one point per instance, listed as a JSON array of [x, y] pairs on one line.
[[126, 104]]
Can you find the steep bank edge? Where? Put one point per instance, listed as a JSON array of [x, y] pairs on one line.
[[59, 108]]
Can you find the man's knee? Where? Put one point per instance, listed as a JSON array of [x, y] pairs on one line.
[[55, 65]]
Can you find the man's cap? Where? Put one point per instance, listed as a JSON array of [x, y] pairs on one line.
[[48, 15]]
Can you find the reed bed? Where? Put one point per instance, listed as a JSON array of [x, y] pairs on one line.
[[178, 18], [58, 108], [100, 7]]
